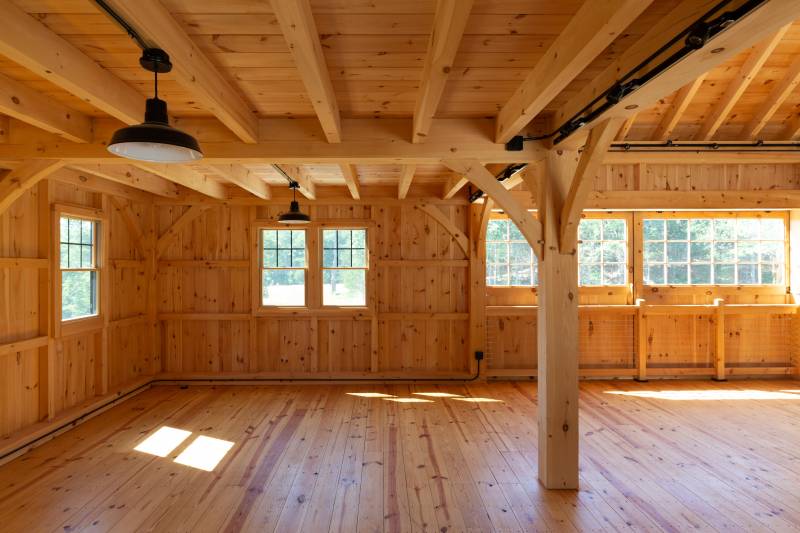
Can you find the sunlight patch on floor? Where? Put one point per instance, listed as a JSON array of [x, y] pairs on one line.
[[711, 394], [408, 400], [437, 394], [204, 453], [477, 400], [163, 441], [370, 394]]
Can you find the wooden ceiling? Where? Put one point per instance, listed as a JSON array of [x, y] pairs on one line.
[[379, 63]]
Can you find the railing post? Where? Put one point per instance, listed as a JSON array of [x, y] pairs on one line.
[[641, 341], [719, 340]]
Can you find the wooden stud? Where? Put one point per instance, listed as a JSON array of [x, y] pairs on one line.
[[641, 340], [297, 25], [755, 60], [588, 34], [719, 339], [449, 23]]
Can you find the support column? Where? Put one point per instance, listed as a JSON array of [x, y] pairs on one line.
[[557, 324]]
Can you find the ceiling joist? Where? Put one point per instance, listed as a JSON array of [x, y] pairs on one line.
[[131, 176], [776, 97], [350, 176], [31, 44], [191, 67], [760, 23], [589, 32], [297, 25], [449, 23], [406, 177], [242, 177], [299, 176], [183, 175]]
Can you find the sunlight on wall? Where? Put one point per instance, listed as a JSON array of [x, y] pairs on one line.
[[370, 394], [438, 394], [204, 453], [163, 441], [408, 400], [712, 394], [477, 400]]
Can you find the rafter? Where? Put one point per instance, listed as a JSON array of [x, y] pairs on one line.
[[776, 97], [763, 21], [25, 104], [30, 43], [350, 176], [191, 67], [297, 25], [755, 60], [449, 23], [131, 176], [591, 158], [183, 175], [679, 104], [486, 181], [22, 178], [406, 177], [589, 32], [242, 177], [626, 127], [792, 128]]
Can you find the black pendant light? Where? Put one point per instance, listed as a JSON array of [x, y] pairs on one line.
[[294, 215], [155, 140]]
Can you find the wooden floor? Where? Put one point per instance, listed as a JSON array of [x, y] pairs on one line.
[[702, 456]]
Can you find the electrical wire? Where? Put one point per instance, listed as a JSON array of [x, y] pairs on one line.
[[123, 23]]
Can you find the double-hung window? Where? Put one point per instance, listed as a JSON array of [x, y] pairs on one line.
[[344, 267], [510, 262], [79, 267], [283, 267], [602, 252], [714, 251]]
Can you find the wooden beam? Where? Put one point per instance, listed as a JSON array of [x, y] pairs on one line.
[[626, 127], [183, 175], [91, 182], [485, 180], [28, 42], [557, 325], [165, 240], [776, 97], [595, 26], [755, 60], [191, 67], [406, 177], [679, 104], [131, 176], [449, 23], [792, 128], [297, 25], [128, 218], [299, 142], [302, 178], [23, 103], [702, 157], [454, 183], [350, 176], [764, 20], [582, 183], [242, 177], [458, 236], [22, 178]]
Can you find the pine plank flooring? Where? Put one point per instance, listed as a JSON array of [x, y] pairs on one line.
[[708, 457]]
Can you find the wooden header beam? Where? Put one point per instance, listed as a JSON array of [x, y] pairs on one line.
[[589, 32]]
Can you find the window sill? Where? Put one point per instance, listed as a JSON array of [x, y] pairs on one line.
[[76, 326]]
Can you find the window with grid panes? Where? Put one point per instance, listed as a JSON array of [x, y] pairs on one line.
[[510, 262], [283, 267], [602, 252], [344, 267], [79, 268], [714, 251]]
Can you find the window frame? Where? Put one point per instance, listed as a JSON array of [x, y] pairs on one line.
[[70, 326], [314, 246], [262, 268], [712, 287], [322, 269], [616, 294], [527, 288]]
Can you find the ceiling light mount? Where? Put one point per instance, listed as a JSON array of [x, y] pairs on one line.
[[294, 216]]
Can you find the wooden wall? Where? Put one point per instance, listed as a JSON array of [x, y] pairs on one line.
[[45, 373]]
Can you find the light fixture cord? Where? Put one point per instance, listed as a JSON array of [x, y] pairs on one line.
[[155, 81]]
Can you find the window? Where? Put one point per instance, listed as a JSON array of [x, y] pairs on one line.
[[602, 252], [79, 269], [509, 259], [344, 267], [283, 267], [719, 251]]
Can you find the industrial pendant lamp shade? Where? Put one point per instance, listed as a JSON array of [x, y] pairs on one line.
[[294, 215], [155, 140]]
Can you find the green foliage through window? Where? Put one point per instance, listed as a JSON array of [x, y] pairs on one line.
[[510, 262], [78, 263], [714, 251], [283, 262], [602, 252], [344, 267]]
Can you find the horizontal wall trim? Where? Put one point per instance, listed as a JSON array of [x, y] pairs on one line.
[[24, 262]]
